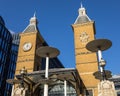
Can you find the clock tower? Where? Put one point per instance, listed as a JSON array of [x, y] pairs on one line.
[[30, 40], [86, 61]]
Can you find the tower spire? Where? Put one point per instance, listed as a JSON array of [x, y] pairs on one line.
[[81, 5], [34, 14], [33, 20], [32, 27], [82, 16]]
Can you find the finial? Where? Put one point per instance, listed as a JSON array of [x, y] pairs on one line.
[[81, 5], [33, 19], [34, 14]]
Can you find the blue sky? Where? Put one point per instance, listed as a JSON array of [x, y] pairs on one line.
[[55, 19]]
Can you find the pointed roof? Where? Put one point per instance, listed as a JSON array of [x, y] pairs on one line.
[[82, 17], [32, 27]]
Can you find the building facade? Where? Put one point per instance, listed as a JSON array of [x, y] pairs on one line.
[[12, 62], [86, 61], [80, 81], [9, 45], [8, 55], [30, 41], [5, 46]]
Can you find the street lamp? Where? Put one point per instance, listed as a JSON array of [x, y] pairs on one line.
[[47, 52], [102, 63], [98, 46]]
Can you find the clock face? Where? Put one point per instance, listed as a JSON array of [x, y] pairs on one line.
[[27, 46]]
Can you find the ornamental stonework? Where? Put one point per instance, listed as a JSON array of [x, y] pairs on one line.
[[84, 37], [106, 88]]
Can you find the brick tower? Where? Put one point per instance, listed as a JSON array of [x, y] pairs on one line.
[[86, 61], [30, 40]]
